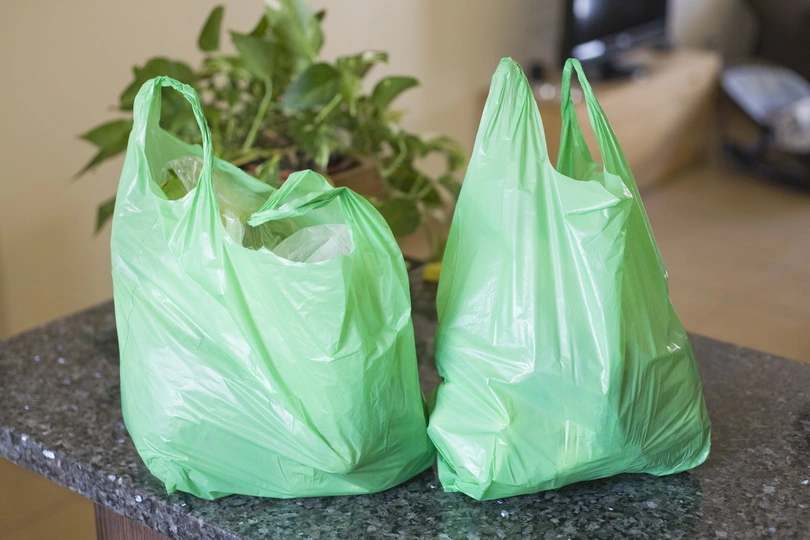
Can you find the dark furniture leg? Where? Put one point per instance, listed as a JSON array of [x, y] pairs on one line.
[[113, 526]]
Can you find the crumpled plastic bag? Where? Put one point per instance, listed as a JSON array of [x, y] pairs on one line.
[[316, 243], [235, 204], [561, 355], [245, 373], [286, 238]]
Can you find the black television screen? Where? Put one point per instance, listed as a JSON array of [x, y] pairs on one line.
[[599, 29]]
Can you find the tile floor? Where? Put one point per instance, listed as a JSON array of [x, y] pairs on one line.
[[738, 255]]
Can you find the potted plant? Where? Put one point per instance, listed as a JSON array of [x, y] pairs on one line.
[[275, 106]]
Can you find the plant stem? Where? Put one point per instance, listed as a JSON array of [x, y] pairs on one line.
[[230, 126], [257, 121], [397, 160], [417, 185], [423, 193], [328, 108]]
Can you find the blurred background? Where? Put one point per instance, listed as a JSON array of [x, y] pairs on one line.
[[734, 238], [65, 63]]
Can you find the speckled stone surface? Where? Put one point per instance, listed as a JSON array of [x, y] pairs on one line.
[[60, 417]]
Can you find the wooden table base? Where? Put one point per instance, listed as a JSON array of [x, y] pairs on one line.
[[113, 526]]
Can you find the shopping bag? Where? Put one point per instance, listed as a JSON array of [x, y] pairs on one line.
[[561, 356], [246, 372]]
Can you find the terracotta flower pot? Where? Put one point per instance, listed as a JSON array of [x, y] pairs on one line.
[[362, 178]]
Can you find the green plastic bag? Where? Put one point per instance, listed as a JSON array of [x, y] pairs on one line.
[[562, 357], [245, 372]]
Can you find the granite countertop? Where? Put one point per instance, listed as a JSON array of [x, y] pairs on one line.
[[60, 417]]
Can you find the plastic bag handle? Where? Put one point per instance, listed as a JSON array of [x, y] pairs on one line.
[[612, 156], [303, 192], [299, 208], [146, 111]]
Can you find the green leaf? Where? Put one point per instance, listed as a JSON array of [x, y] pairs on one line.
[[104, 213], [178, 118], [392, 116], [350, 88], [449, 182], [110, 138], [98, 159], [109, 134], [416, 146], [173, 187], [259, 54], [261, 27], [299, 29], [316, 85], [209, 36], [153, 68], [228, 67], [360, 64], [431, 199], [268, 171], [456, 157], [389, 88], [212, 114], [401, 215]]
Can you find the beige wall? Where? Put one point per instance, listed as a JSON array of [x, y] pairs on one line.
[[63, 65], [3, 316], [727, 26]]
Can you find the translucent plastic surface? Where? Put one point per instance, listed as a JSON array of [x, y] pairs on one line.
[[242, 371], [235, 203], [561, 355], [316, 244]]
